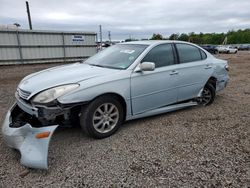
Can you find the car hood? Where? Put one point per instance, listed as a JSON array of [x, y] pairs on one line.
[[61, 75]]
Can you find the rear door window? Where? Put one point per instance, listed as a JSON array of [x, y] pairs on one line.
[[188, 53]]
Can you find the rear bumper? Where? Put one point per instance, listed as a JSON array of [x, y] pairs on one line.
[[222, 83], [34, 151]]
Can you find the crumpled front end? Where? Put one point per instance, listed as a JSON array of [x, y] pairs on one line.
[[31, 140]]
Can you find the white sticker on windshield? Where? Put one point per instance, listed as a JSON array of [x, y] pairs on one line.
[[127, 51]]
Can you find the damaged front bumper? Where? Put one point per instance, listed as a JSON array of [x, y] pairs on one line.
[[31, 141]]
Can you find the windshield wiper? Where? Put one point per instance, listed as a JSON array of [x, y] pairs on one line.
[[106, 66], [96, 65]]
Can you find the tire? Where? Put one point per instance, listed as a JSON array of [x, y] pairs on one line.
[[207, 96], [102, 117]]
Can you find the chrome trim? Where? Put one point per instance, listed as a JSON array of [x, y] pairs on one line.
[[23, 94], [26, 107]]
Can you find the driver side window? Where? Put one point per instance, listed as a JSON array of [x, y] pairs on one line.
[[161, 55]]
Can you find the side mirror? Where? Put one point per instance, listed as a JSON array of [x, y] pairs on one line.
[[147, 66]]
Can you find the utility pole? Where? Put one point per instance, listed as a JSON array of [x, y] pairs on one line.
[[100, 28], [28, 12], [109, 35]]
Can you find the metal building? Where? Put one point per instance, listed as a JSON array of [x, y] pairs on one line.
[[34, 46]]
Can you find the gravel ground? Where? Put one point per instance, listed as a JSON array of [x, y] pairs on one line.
[[195, 147]]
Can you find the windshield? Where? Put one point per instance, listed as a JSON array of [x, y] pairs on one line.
[[119, 56]]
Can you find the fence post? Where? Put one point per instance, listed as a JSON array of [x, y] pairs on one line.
[[64, 51], [19, 46]]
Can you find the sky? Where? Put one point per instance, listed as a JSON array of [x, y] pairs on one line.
[[129, 18]]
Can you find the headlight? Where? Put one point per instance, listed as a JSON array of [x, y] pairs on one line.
[[53, 93]]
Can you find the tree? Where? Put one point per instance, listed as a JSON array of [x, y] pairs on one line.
[[183, 37], [157, 37], [174, 36]]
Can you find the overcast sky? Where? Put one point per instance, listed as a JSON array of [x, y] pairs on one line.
[[138, 18]]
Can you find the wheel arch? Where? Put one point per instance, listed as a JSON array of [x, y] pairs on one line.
[[213, 81]]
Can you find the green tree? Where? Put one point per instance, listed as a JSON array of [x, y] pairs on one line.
[[174, 36], [183, 37], [233, 37], [157, 37]]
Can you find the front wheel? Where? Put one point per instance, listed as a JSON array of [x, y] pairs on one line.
[[102, 117], [207, 95]]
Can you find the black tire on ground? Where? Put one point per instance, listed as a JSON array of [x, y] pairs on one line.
[[89, 112], [208, 95]]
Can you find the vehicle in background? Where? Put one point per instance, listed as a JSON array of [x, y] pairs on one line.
[[103, 46], [210, 48], [227, 49], [244, 47]]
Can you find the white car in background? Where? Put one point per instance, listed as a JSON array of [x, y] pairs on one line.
[[227, 49]]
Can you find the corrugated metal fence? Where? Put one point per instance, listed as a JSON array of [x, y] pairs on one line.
[[26, 46]]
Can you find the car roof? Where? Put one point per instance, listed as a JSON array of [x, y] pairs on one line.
[[154, 42]]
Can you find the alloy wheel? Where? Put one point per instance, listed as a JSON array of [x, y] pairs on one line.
[[105, 117], [206, 96]]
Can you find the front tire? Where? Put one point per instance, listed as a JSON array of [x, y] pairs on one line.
[[102, 117], [207, 96]]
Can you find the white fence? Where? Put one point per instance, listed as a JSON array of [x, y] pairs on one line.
[[31, 46]]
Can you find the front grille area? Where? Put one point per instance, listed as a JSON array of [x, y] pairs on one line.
[[23, 94]]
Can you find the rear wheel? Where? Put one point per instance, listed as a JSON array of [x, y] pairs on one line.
[[207, 95], [102, 117]]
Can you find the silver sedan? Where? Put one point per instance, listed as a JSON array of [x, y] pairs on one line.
[[123, 82]]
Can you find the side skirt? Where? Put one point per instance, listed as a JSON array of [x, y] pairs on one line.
[[163, 110]]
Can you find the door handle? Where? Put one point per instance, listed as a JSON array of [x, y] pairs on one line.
[[208, 67], [174, 72]]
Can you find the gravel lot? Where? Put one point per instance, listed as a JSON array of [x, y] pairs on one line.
[[195, 147]]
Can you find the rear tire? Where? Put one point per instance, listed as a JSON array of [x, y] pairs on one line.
[[207, 96], [102, 117]]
